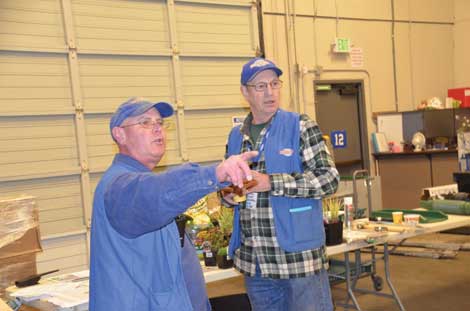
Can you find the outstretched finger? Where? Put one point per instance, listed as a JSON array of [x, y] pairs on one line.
[[249, 154], [244, 165]]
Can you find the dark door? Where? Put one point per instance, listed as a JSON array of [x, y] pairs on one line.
[[339, 111]]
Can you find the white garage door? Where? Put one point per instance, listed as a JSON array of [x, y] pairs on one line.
[[65, 65]]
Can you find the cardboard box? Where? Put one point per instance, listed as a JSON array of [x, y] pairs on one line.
[[462, 94], [16, 268], [19, 239], [29, 243]]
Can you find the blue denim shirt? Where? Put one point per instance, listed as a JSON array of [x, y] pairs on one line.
[[136, 261]]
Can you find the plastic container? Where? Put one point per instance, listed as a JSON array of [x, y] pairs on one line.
[[397, 217], [349, 212], [411, 219]]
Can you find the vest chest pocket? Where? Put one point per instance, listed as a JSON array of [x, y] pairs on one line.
[[305, 222]]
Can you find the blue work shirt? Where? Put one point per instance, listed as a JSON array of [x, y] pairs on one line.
[[136, 261]]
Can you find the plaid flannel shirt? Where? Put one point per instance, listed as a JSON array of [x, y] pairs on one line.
[[259, 242]]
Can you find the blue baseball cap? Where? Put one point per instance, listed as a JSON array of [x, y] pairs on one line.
[[136, 106], [255, 66]]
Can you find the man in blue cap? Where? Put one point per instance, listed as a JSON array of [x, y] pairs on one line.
[[137, 262], [278, 241]]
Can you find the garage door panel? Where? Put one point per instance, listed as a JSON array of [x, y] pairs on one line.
[[207, 143], [63, 200], [208, 84], [66, 263], [32, 80], [36, 156], [70, 250], [197, 34], [124, 81], [21, 28], [109, 81], [41, 157], [215, 101], [38, 92], [35, 25], [215, 140], [117, 49], [142, 36], [33, 64], [212, 153], [53, 249], [53, 195], [34, 83], [146, 91], [109, 26], [125, 66], [30, 144]]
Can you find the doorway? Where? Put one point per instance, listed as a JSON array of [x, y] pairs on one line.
[[341, 114]]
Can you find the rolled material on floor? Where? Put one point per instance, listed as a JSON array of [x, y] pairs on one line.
[[455, 207]]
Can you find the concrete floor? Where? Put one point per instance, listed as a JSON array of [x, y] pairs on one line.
[[422, 283]]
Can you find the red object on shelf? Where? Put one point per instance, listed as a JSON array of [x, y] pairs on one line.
[[462, 94]]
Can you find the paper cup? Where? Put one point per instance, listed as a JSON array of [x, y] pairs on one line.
[[397, 217]]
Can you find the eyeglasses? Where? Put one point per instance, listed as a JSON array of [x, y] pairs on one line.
[[262, 86], [150, 124]]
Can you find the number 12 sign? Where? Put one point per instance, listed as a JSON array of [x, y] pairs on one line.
[[339, 139]]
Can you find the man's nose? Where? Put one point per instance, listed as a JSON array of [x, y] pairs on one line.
[[269, 89], [157, 128]]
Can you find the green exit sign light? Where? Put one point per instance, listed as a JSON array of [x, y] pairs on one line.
[[342, 45]]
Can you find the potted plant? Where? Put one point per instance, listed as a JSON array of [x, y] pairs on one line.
[[332, 222], [211, 239], [217, 236], [223, 261]]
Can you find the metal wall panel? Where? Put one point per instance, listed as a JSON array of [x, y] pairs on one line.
[[58, 200], [67, 252], [209, 85], [107, 81], [34, 84], [215, 30], [207, 133], [31, 25], [122, 27], [37, 147]]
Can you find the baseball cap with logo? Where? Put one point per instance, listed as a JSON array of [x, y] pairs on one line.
[[255, 66], [136, 106]]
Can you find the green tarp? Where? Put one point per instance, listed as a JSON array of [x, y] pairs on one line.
[[425, 216]]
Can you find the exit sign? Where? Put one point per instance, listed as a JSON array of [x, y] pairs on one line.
[[342, 45]]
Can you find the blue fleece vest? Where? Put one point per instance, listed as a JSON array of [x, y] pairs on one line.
[[298, 221]]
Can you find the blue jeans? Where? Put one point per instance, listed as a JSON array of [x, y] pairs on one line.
[[310, 293]]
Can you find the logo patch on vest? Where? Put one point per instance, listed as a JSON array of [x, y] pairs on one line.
[[286, 152]]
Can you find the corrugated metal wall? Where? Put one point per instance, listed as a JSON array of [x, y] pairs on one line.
[[65, 65]]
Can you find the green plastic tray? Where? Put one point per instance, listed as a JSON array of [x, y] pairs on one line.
[[426, 217]]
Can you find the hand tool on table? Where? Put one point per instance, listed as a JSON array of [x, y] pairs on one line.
[[381, 227], [32, 279]]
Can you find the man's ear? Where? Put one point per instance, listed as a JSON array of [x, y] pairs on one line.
[[119, 134], [244, 91]]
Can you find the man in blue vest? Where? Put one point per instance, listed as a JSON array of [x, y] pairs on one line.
[[137, 262], [278, 241]]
